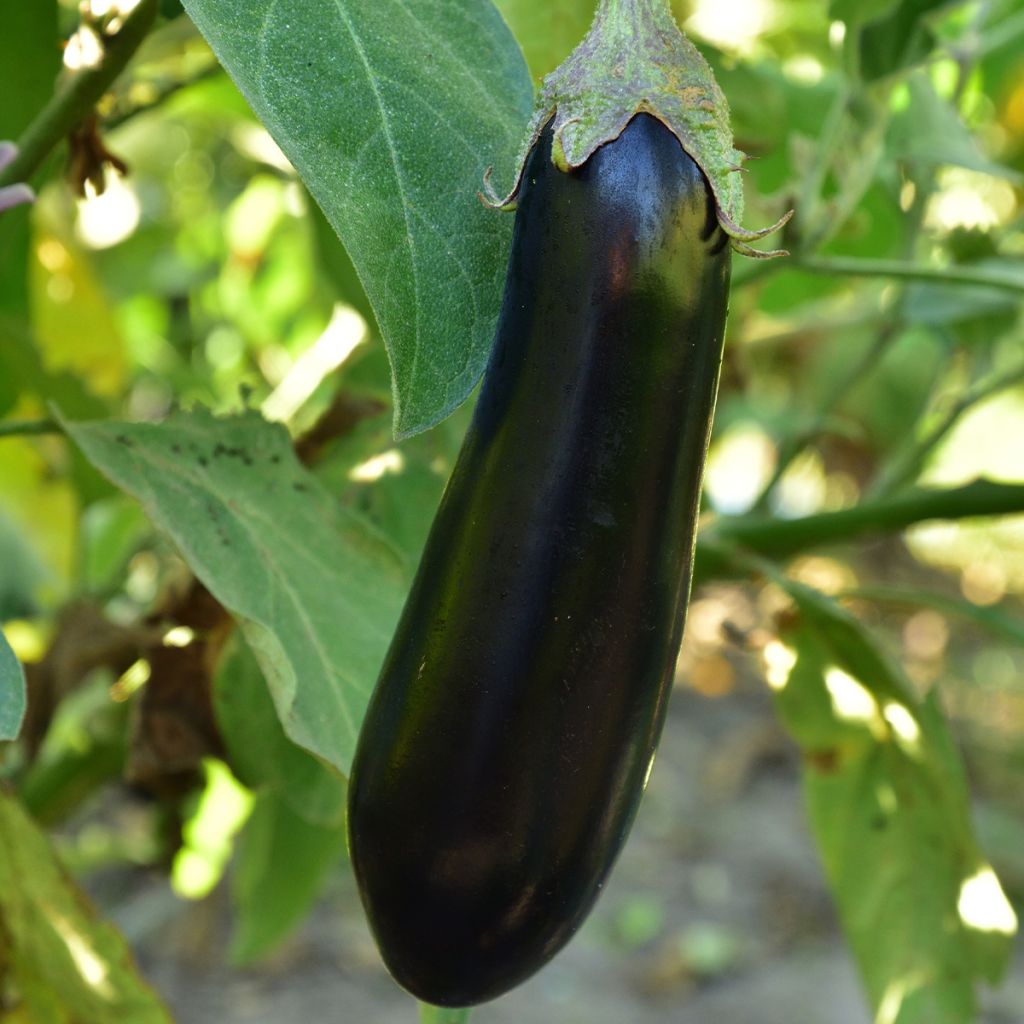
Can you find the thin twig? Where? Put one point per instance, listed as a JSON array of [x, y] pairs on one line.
[[79, 95], [906, 271], [29, 428]]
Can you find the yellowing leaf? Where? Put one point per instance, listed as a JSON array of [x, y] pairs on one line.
[[42, 505], [67, 966], [73, 320]]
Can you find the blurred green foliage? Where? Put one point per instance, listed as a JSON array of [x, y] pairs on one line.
[[207, 280]]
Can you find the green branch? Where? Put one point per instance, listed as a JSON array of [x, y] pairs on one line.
[[28, 428], [79, 96], [783, 538], [906, 271]]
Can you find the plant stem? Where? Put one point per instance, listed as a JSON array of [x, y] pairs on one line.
[[442, 1015], [782, 538], [76, 99], [906, 271], [28, 428]]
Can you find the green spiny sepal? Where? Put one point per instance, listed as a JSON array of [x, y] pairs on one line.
[[633, 59]]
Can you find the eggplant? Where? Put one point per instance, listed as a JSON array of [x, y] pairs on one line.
[[512, 730]]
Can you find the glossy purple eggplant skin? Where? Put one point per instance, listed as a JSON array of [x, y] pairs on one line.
[[509, 738]]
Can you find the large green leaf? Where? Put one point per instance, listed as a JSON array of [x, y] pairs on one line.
[[391, 112], [67, 966], [12, 692], [889, 807], [337, 266], [317, 592], [281, 866]]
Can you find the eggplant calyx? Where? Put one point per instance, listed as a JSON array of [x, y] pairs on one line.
[[635, 59]]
